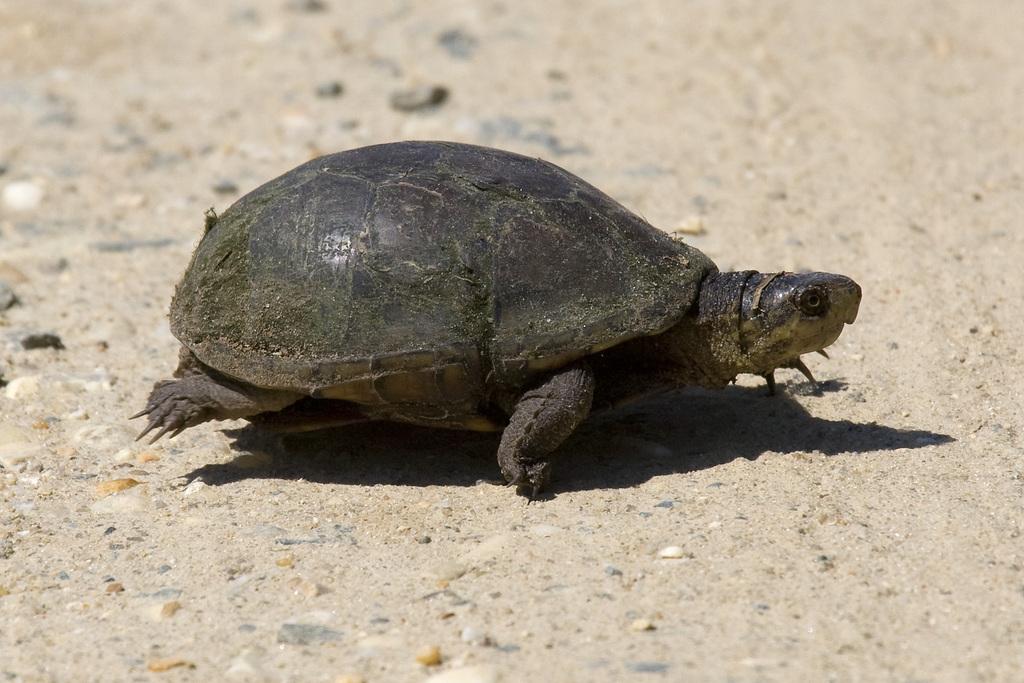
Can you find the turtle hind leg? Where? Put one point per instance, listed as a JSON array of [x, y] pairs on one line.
[[542, 419], [175, 405]]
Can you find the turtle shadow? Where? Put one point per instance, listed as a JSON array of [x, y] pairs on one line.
[[685, 431], [693, 430]]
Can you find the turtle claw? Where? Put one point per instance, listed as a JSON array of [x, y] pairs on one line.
[[796, 363], [530, 481], [169, 410]]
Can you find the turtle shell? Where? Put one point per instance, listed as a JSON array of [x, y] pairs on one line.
[[425, 273]]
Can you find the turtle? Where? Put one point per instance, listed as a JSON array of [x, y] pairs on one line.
[[465, 287]]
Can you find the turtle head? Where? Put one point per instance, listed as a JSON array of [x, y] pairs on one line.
[[756, 322]]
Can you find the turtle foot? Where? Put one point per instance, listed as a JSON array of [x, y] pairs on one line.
[[529, 480], [171, 409]]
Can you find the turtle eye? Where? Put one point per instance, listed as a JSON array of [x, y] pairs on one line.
[[812, 301]]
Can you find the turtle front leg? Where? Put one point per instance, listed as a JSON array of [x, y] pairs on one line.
[[175, 405], [543, 418]]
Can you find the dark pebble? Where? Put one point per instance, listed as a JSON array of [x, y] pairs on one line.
[[447, 596], [121, 246], [55, 267], [423, 539], [420, 98], [665, 504], [612, 571], [647, 667], [458, 44], [306, 634], [300, 541], [41, 340], [225, 187], [7, 296], [307, 6], [329, 89]]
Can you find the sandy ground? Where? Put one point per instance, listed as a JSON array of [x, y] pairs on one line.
[[868, 532]]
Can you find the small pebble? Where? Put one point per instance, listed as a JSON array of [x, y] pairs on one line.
[[307, 6], [125, 246], [7, 297], [125, 455], [225, 187], [419, 98], [458, 44], [329, 89], [41, 340], [672, 552], [640, 625], [158, 665], [307, 634], [106, 488], [249, 461], [194, 487], [129, 501], [148, 456], [11, 275], [474, 636], [16, 445], [22, 195], [691, 225], [131, 200], [20, 388], [306, 588], [114, 588], [428, 655], [165, 610]]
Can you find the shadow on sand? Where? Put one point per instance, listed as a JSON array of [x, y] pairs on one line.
[[686, 431]]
